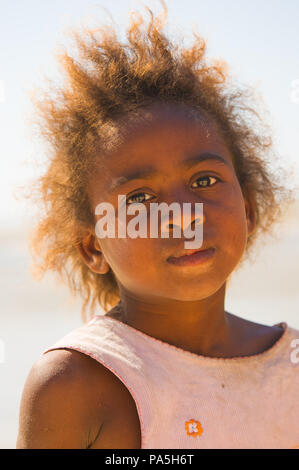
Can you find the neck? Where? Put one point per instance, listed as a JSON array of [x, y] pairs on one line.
[[200, 326]]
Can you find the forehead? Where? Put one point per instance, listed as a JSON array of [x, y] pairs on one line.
[[177, 123], [160, 137]]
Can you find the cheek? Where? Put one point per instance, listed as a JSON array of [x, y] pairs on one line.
[[234, 226], [132, 261]]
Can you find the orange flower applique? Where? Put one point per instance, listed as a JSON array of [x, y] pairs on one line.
[[193, 428]]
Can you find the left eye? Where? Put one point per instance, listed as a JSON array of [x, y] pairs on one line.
[[205, 181], [138, 197]]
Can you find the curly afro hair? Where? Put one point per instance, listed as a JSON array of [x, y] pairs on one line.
[[106, 81]]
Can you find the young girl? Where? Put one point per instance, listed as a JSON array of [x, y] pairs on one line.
[[167, 366]]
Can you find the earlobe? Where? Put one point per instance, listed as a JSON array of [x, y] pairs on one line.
[[92, 255]]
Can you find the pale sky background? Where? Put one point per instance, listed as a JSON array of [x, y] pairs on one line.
[[259, 40]]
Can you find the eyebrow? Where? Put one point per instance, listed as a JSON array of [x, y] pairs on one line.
[[192, 161], [147, 173]]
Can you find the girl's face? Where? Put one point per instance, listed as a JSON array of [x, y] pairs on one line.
[[169, 150]]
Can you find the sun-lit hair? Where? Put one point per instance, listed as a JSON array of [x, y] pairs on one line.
[[105, 81]]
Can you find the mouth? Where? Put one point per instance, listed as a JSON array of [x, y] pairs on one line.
[[192, 257]]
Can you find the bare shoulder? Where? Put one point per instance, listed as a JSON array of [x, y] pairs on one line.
[[255, 337], [72, 401]]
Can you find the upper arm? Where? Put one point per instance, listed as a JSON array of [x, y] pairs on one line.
[[60, 405]]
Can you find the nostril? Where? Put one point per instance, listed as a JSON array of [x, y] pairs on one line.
[[196, 221], [171, 226]]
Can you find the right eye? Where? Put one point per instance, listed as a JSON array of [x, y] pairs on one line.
[[139, 197]]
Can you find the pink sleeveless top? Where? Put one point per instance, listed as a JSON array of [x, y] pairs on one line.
[[189, 401]]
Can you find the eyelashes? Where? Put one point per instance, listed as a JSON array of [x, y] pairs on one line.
[[205, 179], [136, 195]]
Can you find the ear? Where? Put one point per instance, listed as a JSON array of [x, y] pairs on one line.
[[250, 213], [91, 253]]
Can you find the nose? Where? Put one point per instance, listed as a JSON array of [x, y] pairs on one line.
[[183, 219]]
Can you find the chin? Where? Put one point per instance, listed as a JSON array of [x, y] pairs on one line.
[[195, 293]]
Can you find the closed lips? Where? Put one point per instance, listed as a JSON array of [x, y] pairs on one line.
[[187, 252], [195, 258]]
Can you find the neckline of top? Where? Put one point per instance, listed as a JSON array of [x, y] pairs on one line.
[[207, 359]]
